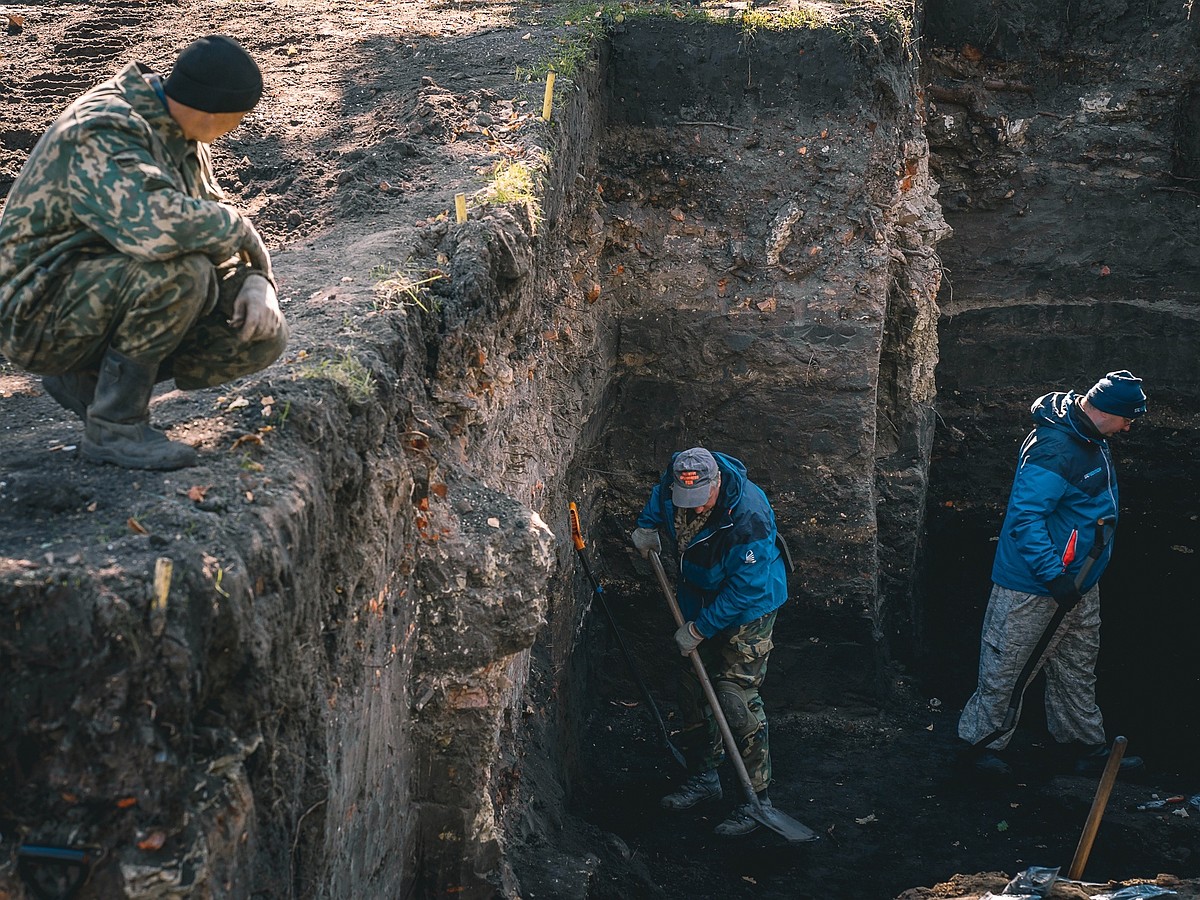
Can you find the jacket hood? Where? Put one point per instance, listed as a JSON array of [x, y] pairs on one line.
[[733, 476], [1060, 410]]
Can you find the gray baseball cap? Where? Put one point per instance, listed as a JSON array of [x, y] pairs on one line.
[[694, 474]]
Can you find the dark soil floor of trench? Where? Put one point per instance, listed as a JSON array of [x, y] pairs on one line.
[[878, 783]]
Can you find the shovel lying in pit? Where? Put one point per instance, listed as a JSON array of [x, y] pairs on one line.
[[779, 822]]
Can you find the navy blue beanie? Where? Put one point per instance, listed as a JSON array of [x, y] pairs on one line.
[[215, 74], [1119, 394]]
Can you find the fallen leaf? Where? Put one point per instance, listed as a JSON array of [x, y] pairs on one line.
[[824, 132], [196, 492], [152, 841], [438, 490], [593, 292], [974, 54], [126, 802], [267, 401], [91, 507], [15, 20], [249, 496], [676, 214], [803, 151], [238, 403], [722, 284], [1105, 270], [493, 522], [135, 526], [247, 439]]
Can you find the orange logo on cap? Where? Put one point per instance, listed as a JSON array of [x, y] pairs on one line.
[[687, 479]]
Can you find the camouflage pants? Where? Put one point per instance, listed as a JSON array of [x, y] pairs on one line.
[[170, 312], [1012, 625], [739, 657]]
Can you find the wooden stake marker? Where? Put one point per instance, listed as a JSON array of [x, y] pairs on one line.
[[460, 207], [549, 98]]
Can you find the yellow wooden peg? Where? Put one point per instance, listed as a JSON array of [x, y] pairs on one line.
[[460, 207], [549, 96], [163, 569]]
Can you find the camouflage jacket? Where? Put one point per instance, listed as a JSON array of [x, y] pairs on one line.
[[114, 171]]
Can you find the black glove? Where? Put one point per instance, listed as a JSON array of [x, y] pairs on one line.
[[1064, 591]]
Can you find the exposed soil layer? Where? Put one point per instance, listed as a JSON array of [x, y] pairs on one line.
[[377, 675]]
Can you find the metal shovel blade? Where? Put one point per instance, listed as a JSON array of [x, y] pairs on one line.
[[782, 824]]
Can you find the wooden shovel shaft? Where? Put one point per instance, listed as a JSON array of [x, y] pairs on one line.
[[1103, 790], [731, 747]]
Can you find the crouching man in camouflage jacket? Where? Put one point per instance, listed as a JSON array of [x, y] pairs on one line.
[[120, 266]]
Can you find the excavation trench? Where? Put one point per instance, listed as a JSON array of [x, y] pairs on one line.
[[813, 365], [382, 672]]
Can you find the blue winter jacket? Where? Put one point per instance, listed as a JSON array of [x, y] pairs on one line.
[[732, 570], [1065, 481]]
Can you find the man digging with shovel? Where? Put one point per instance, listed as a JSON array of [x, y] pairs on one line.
[[1044, 609], [732, 580]]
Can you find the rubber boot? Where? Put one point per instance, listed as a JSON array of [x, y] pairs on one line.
[[73, 391], [697, 789], [118, 420]]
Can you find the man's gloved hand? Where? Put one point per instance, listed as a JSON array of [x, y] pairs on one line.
[[688, 638], [1064, 592], [647, 539], [256, 310]]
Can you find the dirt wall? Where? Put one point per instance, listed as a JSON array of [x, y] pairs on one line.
[[771, 237], [1063, 138]]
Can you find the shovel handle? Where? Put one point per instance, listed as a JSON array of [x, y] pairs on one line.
[[731, 747], [1096, 813], [576, 531]]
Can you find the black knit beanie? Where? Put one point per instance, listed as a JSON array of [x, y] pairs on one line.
[[215, 74]]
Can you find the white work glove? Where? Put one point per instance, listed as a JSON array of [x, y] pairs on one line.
[[688, 638], [647, 539], [256, 310], [254, 251]]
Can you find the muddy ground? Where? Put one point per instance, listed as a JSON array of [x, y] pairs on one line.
[[375, 115]]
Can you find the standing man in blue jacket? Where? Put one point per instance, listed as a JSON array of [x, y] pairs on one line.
[[1065, 485], [733, 579]]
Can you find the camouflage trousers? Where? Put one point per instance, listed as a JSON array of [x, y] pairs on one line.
[[173, 313], [1012, 625], [737, 657]]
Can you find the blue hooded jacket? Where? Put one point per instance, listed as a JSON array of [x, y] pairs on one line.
[[1065, 481], [733, 572]]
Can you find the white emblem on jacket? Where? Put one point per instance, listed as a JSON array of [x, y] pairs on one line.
[[750, 560]]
